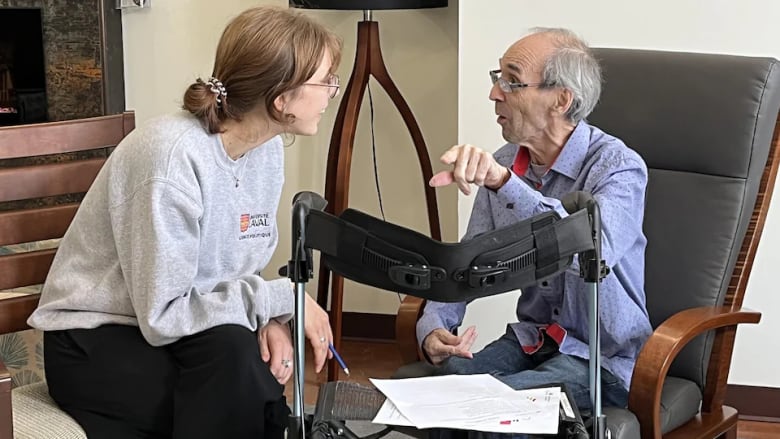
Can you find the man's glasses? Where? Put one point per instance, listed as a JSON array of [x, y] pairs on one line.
[[509, 87], [333, 84]]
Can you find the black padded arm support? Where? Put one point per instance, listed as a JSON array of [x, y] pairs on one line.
[[373, 252]]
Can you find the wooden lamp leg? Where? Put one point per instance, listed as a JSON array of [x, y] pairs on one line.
[[383, 77], [368, 61]]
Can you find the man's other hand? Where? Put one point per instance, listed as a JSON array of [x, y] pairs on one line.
[[440, 344], [470, 165]]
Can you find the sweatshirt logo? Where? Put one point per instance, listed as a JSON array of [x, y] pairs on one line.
[[255, 225]]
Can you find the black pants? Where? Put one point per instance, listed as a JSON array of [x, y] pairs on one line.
[[208, 385]]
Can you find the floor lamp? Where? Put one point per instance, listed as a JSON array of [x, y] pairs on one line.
[[368, 62]]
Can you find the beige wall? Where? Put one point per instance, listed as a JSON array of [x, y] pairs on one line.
[[172, 43], [747, 28]]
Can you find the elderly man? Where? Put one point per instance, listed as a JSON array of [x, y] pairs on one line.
[[547, 85]]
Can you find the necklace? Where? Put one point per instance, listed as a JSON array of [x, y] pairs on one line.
[[237, 176]]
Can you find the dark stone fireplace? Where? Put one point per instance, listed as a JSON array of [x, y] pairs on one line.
[[22, 70], [55, 57]]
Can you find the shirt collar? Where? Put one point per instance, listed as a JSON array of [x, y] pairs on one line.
[[571, 158]]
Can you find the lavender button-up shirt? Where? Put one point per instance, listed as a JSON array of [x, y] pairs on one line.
[[595, 162]]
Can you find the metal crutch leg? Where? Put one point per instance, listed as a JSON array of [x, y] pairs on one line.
[[299, 270], [592, 270]]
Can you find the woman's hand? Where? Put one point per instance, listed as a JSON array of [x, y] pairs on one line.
[[276, 349], [317, 329]]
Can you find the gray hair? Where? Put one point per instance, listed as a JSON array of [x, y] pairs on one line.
[[573, 67]]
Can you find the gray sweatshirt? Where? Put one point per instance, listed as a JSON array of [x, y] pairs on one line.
[[171, 238]]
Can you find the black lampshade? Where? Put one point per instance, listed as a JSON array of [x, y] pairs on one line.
[[375, 5]]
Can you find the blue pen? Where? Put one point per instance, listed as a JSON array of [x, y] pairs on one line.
[[339, 359]]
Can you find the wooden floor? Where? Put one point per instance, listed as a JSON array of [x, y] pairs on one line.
[[379, 360]]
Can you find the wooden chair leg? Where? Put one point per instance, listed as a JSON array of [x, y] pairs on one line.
[[6, 415]]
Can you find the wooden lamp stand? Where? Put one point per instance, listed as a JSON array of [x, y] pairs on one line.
[[368, 62]]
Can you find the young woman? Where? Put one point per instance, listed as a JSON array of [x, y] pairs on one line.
[[157, 322]]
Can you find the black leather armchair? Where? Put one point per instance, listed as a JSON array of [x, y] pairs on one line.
[[707, 127]]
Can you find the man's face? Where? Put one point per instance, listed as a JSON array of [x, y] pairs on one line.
[[525, 112]]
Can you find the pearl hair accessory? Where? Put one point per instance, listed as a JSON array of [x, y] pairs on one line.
[[217, 88]]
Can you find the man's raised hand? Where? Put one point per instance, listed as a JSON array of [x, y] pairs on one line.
[[470, 165]]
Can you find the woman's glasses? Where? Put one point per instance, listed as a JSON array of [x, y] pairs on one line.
[[333, 84]]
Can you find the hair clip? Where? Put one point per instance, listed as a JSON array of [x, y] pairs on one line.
[[217, 88]]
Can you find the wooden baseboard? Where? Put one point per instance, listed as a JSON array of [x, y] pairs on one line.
[[367, 326], [755, 403]]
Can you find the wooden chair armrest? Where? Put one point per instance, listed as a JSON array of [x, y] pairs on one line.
[[409, 312], [6, 416], [661, 349], [15, 311]]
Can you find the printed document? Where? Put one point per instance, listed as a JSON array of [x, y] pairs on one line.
[[468, 402]]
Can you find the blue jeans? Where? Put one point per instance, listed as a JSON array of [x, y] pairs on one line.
[[505, 359]]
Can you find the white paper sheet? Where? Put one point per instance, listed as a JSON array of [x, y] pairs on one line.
[[472, 402], [388, 414]]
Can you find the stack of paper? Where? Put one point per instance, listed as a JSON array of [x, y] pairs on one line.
[[468, 402]]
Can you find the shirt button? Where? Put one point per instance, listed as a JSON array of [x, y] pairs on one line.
[[556, 311], [545, 284], [510, 205]]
